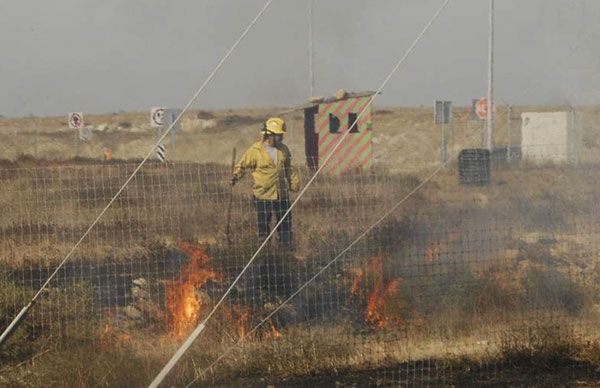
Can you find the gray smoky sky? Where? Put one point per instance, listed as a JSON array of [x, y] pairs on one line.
[[101, 56]]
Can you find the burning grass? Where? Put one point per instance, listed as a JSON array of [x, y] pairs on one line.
[[184, 303], [377, 301], [377, 298]]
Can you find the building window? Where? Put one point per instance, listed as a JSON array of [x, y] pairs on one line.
[[352, 122], [334, 124]]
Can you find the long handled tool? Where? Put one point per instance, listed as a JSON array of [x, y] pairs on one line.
[[228, 226]]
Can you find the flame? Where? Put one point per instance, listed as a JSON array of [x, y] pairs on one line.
[[357, 280], [272, 331], [239, 315], [375, 311], [183, 303]]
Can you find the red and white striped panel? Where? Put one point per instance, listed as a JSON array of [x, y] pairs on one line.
[[355, 153]]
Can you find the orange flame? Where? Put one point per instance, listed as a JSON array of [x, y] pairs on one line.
[[239, 315], [183, 303], [272, 331], [375, 310]]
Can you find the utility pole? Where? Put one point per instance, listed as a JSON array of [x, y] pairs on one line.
[[490, 96], [311, 72], [508, 130]]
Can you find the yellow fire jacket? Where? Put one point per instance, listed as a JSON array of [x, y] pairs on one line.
[[271, 181]]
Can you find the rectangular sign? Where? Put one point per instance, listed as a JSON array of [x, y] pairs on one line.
[[442, 113]]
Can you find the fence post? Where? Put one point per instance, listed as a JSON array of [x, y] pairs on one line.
[[508, 129], [573, 137], [35, 142], [174, 143], [443, 152], [76, 142]]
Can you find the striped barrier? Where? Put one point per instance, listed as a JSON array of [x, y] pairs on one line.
[[332, 120], [161, 152]]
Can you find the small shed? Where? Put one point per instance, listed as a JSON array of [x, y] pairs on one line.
[[548, 137], [325, 122]]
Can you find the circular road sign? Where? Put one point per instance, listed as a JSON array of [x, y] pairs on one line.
[[76, 120], [481, 108]]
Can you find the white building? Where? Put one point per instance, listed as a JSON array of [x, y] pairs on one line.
[[548, 137]]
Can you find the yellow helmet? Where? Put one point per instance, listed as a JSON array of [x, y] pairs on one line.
[[274, 126]]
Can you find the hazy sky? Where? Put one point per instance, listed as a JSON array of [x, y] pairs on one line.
[[101, 56]]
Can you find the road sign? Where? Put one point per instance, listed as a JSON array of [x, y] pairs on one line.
[[161, 152], [442, 113], [76, 120], [481, 108], [156, 116]]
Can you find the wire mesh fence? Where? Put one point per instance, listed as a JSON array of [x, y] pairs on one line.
[[460, 278]]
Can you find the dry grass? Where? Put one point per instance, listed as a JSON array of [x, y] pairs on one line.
[[469, 307], [330, 351], [405, 139]]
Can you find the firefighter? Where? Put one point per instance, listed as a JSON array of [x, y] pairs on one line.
[[271, 164]]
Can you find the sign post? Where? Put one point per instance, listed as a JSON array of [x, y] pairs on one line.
[[156, 120], [169, 117], [482, 111], [75, 120], [508, 129], [442, 115], [35, 141]]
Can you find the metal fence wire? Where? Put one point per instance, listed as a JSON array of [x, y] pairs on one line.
[[478, 278]]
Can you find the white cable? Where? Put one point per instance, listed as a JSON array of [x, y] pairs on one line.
[[19, 316], [198, 330]]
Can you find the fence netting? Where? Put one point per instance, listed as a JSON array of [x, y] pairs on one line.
[[461, 283]]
